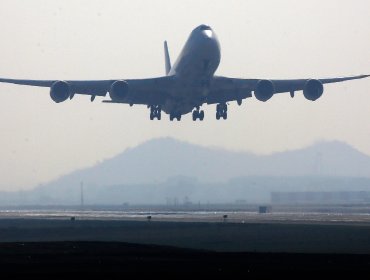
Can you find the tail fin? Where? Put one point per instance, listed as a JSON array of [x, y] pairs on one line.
[[167, 58]]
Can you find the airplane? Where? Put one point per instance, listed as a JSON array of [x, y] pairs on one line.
[[188, 84]]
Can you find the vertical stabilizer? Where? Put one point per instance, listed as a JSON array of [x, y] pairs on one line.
[[167, 58]]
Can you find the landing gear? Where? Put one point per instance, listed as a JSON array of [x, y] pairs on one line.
[[155, 112], [221, 111], [175, 116], [197, 114]]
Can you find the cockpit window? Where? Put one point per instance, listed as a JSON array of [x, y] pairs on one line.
[[204, 27]]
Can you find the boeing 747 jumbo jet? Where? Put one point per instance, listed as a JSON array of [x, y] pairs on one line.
[[187, 85]]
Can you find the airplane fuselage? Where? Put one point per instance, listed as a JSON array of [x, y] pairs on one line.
[[193, 71]]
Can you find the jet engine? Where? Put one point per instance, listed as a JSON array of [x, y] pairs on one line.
[[313, 90], [60, 91], [118, 91], [265, 89]]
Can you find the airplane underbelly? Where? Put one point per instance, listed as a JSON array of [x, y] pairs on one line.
[[185, 100]]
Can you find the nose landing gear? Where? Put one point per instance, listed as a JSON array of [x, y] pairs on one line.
[[175, 116]]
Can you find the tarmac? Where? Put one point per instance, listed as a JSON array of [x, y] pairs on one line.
[[235, 231], [213, 242]]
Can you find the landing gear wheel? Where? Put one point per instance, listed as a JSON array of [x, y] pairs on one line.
[[195, 115], [221, 111], [155, 112], [201, 115], [175, 116]]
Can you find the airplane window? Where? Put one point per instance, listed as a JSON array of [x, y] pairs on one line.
[[204, 27]]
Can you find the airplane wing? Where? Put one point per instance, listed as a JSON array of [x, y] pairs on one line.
[[225, 89], [154, 91], [141, 91]]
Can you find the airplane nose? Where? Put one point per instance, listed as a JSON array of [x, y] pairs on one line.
[[205, 35], [205, 30]]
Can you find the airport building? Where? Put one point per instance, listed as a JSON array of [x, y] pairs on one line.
[[339, 197]]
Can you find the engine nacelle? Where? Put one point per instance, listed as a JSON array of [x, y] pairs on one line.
[[118, 91], [265, 89], [313, 90], [60, 91]]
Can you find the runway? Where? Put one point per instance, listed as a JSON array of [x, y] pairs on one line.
[[102, 242], [223, 231], [192, 216]]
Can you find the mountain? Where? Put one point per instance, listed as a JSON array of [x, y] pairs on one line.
[[157, 160], [167, 168]]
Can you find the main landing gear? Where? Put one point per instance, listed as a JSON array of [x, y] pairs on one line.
[[197, 114], [155, 112], [221, 111]]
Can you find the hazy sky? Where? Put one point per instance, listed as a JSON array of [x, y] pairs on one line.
[[43, 39]]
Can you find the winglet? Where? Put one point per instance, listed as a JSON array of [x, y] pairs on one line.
[[167, 58]]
